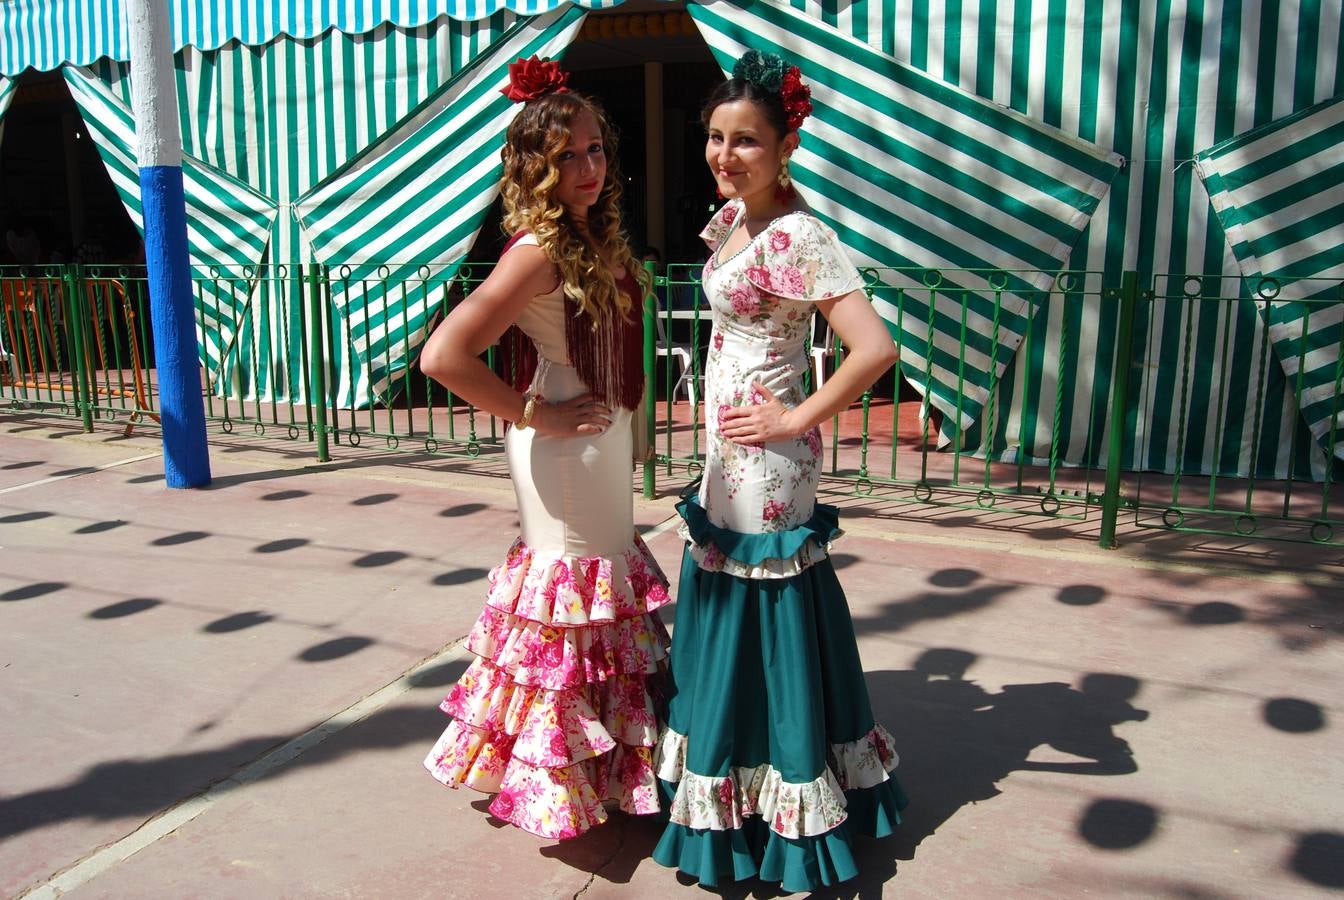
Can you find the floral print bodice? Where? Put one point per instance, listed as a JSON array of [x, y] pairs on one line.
[[761, 299]]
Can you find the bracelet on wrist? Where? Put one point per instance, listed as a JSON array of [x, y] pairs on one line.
[[529, 408]]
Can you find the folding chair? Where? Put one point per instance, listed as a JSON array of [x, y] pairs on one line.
[[822, 347], [682, 354]]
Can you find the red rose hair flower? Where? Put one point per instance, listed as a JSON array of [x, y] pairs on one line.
[[534, 77], [797, 97]]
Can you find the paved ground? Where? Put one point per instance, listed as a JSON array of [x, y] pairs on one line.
[[228, 692]]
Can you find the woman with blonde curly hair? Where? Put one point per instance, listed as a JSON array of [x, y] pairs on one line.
[[557, 714]]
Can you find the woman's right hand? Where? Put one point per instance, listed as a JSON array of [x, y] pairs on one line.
[[584, 414]]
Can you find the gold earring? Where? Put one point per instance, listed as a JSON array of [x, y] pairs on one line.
[[784, 179]]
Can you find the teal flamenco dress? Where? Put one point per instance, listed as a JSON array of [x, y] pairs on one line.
[[771, 760]]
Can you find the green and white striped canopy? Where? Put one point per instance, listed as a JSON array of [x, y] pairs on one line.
[[914, 172], [408, 209], [1278, 191], [283, 118], [45, 34], [228, 223]]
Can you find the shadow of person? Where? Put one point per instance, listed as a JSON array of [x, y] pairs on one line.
[[613, 850], [957, 741]]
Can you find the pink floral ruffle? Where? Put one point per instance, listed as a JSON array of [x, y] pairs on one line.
[[571, 592], [558, 658], [556, 714]]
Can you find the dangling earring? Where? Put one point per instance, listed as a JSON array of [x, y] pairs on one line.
[[784, 191]]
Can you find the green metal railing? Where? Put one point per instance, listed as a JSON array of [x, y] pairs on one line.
[[998, 475], [1271, 494], [284, 357]]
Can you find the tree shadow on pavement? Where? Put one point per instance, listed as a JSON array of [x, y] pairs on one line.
[[126, 788], [964, 592]]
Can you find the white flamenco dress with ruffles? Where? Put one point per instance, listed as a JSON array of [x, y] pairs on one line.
[[557, 713], [771, 759]]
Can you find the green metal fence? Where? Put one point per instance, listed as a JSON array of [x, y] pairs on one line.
[[1196, 493], [77, 342], [913, 451]]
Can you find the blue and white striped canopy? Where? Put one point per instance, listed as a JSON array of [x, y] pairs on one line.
[[45, 34]]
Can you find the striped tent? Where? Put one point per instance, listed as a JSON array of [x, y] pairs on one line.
[[1277, 192], [228, 224], [308, 108], [46, 34], [408, 209], [912, 172], [1153, 82]]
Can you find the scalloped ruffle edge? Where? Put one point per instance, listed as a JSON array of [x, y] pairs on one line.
[[775, 554], [797, 864], [556, 803], [591, 719], [545, 656], [557, 713], [792, 810], [710, 558], [754, 851], [576, 592]]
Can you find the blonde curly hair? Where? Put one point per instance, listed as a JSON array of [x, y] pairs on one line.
[[585, 258]]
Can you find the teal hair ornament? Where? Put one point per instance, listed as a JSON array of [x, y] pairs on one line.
[[772, 74], [765, 70]]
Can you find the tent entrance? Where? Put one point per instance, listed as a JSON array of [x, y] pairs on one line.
[[650, 68], [55, 194]]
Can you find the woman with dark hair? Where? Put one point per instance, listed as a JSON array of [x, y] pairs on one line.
[[771, 758], [556, 714]]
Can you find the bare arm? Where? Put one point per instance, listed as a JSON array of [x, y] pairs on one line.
[[452, 355], [870, 353]]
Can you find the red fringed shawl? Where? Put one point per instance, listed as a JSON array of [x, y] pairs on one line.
[[608, 357]]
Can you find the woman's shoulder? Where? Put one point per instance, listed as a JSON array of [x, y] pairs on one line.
[[718, 227], [524, 256], [799, 257], [523, 238], [803, 224]]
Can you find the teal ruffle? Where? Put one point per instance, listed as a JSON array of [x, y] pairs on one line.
[[754, 549], [876, 811], [797, 864]]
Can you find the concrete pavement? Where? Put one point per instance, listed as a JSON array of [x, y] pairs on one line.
[[228, 692]]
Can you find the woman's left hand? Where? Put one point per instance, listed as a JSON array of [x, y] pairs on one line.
[[758, 423]]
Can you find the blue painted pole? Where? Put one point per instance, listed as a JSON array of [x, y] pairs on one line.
[[186, 459]]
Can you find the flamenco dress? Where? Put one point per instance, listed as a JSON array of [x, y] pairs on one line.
[[557, 713], [770, 760]]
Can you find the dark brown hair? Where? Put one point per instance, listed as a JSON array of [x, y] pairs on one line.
[[768, 102]]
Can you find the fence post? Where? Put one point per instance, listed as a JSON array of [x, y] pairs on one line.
[[74, 319], [650, 364], [1124, 353], [317, 359]]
